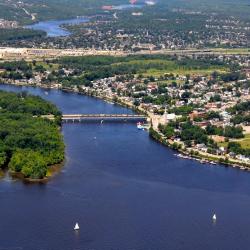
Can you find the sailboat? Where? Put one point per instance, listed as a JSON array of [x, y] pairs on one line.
[[214, 217], [76, 227]]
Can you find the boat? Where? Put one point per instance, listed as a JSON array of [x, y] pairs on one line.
[[76, 227], [214, 217], [139, 126], [107, 7], [150, 3], [242, 168], [182, 156]]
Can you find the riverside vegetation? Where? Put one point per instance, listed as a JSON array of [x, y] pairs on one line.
[[29, 143]]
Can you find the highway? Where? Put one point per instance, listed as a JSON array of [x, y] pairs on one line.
[[7, 53]]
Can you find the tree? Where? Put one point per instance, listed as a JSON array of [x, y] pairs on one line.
[[2, 159], [136, 103], [30, 163]]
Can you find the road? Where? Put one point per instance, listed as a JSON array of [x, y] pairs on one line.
[[7, 53]]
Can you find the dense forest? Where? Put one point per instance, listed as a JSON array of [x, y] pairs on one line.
[[29, 144], [19, 34]]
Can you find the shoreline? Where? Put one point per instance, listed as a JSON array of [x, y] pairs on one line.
[[52, 171], [190, 154], [198, 155]]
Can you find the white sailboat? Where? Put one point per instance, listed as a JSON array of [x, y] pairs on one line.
[[214, 217], [76, 227]]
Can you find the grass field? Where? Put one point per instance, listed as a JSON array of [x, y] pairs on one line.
[[232, 51], [182, 71], [245, 142], [47, 66], [159, 67]]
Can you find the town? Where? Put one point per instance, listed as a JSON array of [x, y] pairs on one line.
[[199, 106], [129, 28]]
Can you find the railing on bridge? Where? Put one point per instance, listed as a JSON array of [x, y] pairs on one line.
[[103, 117]]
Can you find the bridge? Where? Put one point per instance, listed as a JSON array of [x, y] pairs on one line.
[[103, 117]]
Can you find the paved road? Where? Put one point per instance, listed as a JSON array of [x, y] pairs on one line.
[[36, 53]]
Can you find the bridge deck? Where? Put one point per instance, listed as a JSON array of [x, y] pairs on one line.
[[104, 117]]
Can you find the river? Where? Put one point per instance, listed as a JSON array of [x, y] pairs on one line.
[[126, 191], [54, 28]]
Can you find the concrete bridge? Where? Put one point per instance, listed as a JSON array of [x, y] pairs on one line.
[[104, 117]]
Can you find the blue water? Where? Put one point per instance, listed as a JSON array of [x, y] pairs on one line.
[[54, 28], [127, 6], [126, 191]]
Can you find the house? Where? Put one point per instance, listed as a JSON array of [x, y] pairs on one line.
[[170, 117], [196, 114], [202, 147]]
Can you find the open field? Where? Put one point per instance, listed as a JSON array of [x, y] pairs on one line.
[[183, 71], [245, 142], [159, 67], [51, 66]]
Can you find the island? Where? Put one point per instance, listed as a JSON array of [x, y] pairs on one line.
[[30, 139]]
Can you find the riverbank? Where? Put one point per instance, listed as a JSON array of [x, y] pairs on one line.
[[192, 154], [53, 170], [154, 121]]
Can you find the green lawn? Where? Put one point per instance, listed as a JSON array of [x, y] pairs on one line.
[[51, 66], [245, 142], [182, 71], [159, 67], [233, 51]]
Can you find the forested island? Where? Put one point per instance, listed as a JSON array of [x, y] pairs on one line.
[[30, 143]]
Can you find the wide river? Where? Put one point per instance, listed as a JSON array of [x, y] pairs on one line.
[[126, 191], [54, 28]]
